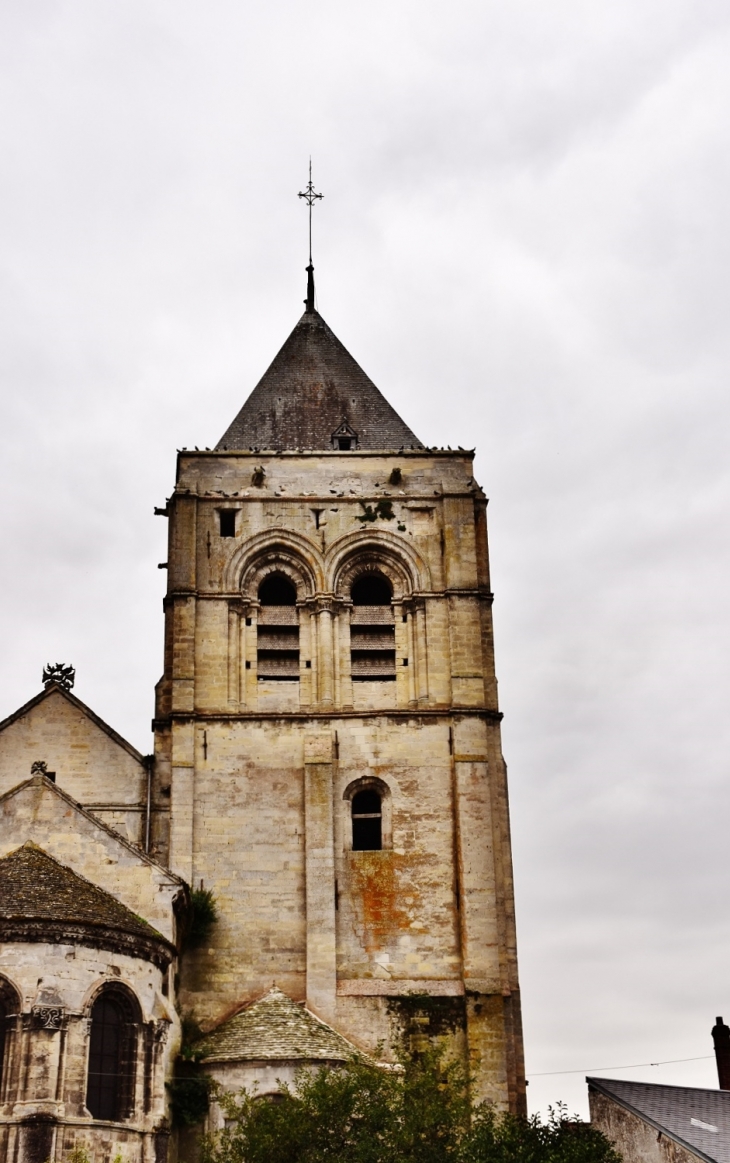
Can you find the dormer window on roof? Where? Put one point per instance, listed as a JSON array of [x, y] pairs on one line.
[[344, 438]]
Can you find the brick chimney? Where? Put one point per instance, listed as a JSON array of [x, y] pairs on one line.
[[721, 1038]]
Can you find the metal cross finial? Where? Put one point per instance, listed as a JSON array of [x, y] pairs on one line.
[[310, 197]]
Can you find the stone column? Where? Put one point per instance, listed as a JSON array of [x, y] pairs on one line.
[[320, 874], [234, 667], [421, 651], [326, 652]]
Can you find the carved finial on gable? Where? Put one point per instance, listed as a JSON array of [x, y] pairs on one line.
[[56, 672]]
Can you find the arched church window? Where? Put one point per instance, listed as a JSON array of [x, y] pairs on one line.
[[9, 1007], [112, 1057], [367, 821], [278, 630], [372, 629]]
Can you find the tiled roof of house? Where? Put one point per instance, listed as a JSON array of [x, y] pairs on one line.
[[698, 1119], [276, 1028], [35, 887], [310, 389]]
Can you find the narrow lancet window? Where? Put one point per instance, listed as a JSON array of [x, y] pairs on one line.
[[372, 630], [367, 821], [278, 630]]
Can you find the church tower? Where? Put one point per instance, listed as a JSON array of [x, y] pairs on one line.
[[328, 758]]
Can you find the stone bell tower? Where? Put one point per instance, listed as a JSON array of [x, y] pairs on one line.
[[328, 757]]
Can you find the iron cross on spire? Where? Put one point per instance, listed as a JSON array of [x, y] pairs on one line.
[[310, 197]]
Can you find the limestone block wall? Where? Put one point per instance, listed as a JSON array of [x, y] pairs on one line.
[[43, 1115], [93, 764], [259, 775]]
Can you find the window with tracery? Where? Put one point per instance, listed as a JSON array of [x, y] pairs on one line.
[[372, 629], [277, 644], [112, 1057]]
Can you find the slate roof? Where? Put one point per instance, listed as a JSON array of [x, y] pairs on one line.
[[312, 386], [276, 1028], [36, 887], [678, 1112]]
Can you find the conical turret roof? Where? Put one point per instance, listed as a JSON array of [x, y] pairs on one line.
[[275, 1027], [312, 390]]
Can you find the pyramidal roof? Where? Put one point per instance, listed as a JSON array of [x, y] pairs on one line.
[[312, 389], [276, 1028]]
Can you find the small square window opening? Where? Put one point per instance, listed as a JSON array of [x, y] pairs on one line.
[[227, 519]]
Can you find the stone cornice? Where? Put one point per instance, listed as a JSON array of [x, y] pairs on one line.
[[445, 713], [22, 930]]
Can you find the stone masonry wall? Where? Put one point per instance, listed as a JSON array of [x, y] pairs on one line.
[[258, 775]]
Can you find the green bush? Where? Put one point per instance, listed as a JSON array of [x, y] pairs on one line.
[[204, 915], [418, 1113]]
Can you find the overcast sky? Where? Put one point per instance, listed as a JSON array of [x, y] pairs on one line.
[[524, 241]]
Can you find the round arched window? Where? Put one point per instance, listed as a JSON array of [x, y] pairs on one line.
[[367, 821], [112, 1054]]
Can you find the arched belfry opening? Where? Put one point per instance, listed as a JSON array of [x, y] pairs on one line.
[[277, 644], [372, 629]]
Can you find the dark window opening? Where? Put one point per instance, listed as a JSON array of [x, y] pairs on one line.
[[367, 821], [278, 631], [344, 443], [227, 519], [9, 1009], [371, 589], [277, 590], [4, 1008], [112, 1045], [372, 630]]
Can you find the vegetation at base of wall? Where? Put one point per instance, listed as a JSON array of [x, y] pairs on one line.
[[80, 1155], [419, 1112], [189, 1090], [204, 914], [189, 1095]]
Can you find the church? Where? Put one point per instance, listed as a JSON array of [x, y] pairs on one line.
[[327, 774]]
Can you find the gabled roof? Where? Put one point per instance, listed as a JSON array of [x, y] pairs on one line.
[[35, 886], [697, 1119], [278, 1029], [57, 689], [312, 387]]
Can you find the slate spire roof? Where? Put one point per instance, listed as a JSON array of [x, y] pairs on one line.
[[276, 1028], [312, 388], [36, 887]]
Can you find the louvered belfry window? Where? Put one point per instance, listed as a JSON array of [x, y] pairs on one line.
[[278, 630], [372, 630]]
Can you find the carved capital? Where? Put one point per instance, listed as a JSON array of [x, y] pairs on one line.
[[47, 1017]]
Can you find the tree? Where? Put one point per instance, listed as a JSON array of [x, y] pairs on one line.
[[419, 1112]]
